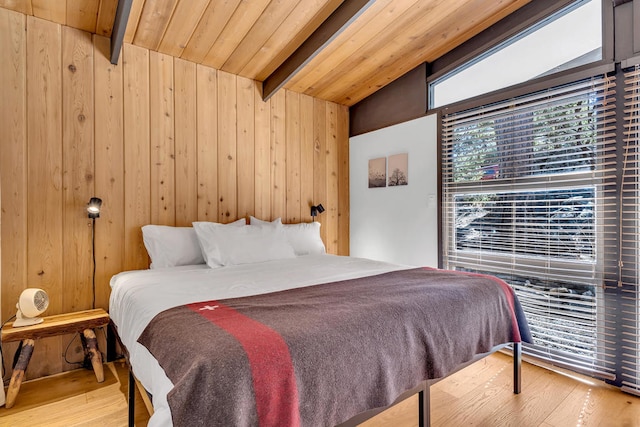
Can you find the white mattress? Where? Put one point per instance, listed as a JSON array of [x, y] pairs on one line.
[[137, 296]]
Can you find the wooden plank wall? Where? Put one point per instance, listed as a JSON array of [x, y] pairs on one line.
[[161, 140]]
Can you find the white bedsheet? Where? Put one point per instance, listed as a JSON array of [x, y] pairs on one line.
[[137, 296]]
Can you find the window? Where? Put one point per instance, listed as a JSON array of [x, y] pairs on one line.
[[629, 270], [529, 195], [569, 38]]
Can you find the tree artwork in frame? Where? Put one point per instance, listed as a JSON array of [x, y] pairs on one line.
[[398, 170], [378, 172]]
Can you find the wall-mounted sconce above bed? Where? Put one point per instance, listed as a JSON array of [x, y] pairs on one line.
[[315, 210]]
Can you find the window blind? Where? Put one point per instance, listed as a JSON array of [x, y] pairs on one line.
[[629, 286], [530, 195]]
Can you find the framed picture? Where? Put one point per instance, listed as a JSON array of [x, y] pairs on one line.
[[398, 170], [378, 172]]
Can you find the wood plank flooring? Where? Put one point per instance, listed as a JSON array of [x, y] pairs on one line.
[[479, 395], [74, 398]]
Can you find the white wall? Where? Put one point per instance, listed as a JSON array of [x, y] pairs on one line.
[[396, 224]]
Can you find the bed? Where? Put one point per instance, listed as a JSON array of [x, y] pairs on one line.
[[381, 357], [242, 325]]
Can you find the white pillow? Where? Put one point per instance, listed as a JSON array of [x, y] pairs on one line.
[[255, 221], [174, 246], [241, 245], [304, 237], [171, 246]]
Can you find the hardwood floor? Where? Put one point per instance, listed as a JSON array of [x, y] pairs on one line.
[[75, 399], [483, 396], [479, 395]]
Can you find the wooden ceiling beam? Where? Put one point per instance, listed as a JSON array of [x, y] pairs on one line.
[[335, 24], [119, 27]]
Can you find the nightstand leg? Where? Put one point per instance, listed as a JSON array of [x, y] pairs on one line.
[[18, 371], [91, 350]]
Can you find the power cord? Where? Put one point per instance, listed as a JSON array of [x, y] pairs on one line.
[[85, 363], [93, 255], [66, 350]]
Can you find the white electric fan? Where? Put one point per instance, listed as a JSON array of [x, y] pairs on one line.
[[31, 304]]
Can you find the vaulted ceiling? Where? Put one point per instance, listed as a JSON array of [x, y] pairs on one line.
[[367, 44]]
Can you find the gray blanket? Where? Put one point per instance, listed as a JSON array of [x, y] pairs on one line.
[[317, 356]]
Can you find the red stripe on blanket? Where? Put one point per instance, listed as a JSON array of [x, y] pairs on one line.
[[508, 292], [274, 381]]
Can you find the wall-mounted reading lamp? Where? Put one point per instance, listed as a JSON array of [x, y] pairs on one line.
[[315, 210], [93, 208], [93, 212]]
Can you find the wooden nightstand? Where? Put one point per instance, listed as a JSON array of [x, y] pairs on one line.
[[80, 321]]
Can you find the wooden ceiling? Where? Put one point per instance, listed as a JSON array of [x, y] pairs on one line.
[[252, 38]]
